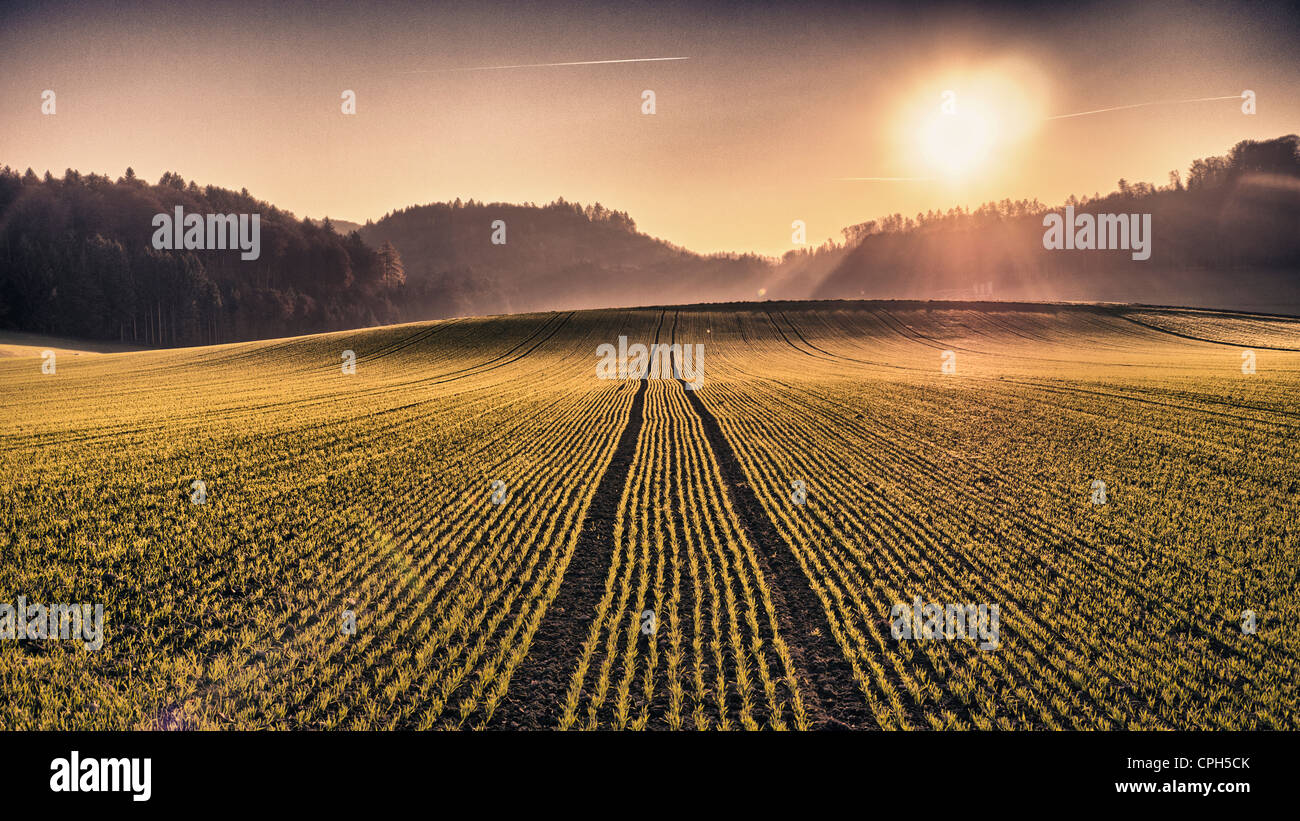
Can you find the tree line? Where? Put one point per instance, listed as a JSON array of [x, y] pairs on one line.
[[1237, 212], [554, 256], [76, 259]]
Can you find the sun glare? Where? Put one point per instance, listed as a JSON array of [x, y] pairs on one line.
[[963, 124], [957, 144]]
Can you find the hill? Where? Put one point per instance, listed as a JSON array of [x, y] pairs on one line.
[[557, 256], [77, 259], [1228, 238]]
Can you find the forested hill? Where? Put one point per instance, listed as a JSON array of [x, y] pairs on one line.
[[490, 258], [1225, 236], [77, 259]]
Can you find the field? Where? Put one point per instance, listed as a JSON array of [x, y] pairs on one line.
[[498, 521], [14, 343]]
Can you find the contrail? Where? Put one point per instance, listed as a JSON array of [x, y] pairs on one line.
[[883, 179], [1140, 105], [550, 65]]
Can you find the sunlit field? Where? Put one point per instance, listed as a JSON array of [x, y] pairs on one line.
[[472, 530]]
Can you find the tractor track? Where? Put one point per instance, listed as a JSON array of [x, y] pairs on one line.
[[538, 686], [832, 697]]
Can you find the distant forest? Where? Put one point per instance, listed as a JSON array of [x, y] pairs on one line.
[[1228, 236], [559, 255], [76, 257]]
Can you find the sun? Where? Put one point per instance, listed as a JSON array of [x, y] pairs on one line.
[[957, 144], [965, 123]]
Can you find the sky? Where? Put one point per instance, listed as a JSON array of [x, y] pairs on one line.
[[775, 109]]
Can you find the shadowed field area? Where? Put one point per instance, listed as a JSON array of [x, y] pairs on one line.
[[15, 343], [826, 470]]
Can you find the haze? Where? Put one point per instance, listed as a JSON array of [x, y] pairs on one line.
[[775, 107]]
